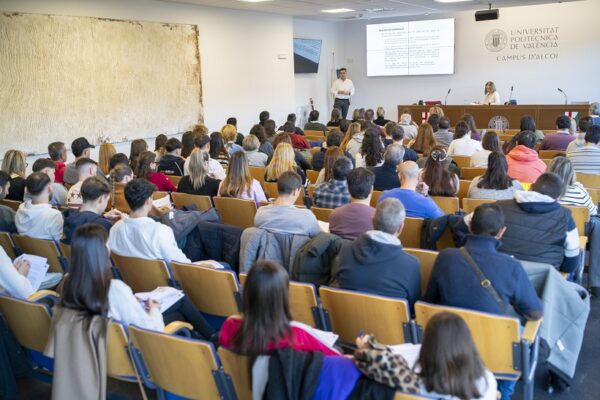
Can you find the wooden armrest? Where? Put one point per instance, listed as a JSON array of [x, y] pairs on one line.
[[41, 294], [531, 330], [582, 242], [176, 326]]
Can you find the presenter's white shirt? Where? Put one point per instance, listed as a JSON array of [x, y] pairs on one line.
[[492, 98], [342, 86]]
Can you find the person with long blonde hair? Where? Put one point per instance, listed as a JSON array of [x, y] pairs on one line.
[[239, 183], [284, 159], [199, 182], [14, 165], [353, 139], [425, 140], [107, 150]]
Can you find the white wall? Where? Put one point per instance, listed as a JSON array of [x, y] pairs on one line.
[[535, 82], [241, 72], [316, 86]]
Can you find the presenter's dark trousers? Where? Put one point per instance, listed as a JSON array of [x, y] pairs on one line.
[[343, 105]]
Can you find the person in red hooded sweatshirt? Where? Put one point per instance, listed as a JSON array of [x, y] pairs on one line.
[[524, 164]]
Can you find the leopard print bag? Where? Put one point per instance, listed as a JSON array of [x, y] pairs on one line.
[[380, 364]]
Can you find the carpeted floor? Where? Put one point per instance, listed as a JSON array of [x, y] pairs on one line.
[[586, 385]]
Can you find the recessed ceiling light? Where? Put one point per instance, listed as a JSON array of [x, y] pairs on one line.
[[337, 10]]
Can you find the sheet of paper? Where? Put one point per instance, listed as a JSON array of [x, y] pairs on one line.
[[38, 266], [162, 202], [329, 338], [409, 351], [166, 296]]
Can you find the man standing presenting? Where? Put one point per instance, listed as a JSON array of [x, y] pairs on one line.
[[343, 90]]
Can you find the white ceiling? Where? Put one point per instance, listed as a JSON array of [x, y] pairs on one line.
[[365, 9]]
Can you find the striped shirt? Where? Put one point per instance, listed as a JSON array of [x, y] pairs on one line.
[[576, 195], [586, 159]]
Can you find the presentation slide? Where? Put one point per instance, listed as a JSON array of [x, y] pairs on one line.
[[411, 48]]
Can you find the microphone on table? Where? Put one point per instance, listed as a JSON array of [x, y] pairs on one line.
[[564, 94], [446, 98], [511, 92]]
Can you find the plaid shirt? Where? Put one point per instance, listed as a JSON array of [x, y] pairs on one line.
[[331, 194]]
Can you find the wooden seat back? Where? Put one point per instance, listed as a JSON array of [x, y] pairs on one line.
[[258, 173], [140, 274], [411, 233], [236, 212], [29, 322], [303, 299], [472, 172], [322, 214], [8, 245], [469, 205], [462, 161], [589, 180], [426, 261], [581, 215], [181, 200], [449, 205], [463, 189], [312, 175], [549, 154], [118, 361], [65, 250], [595, 195], [237, 367], [43, 248], [174, 179], [178, 365], [213, 291], [12, 204], [352, 312], [272, 192], [375, 198], [310, 132]]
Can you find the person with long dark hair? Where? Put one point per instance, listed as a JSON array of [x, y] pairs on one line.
[[495, 183], [436, 175], [490, 143], [371, 150], [528, 124], [336, 117], [266, 322], [146, 168], [260, 132], [217, 148], [138, 146], [425, 140]]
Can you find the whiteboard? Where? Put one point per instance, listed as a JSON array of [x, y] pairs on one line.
[[108, 80]]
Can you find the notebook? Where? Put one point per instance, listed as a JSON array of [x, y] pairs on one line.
[[38, 266], [166, 296]]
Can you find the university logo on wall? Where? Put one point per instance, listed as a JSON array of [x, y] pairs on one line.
[[496, 40]]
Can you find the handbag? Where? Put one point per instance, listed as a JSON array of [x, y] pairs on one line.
[[484, 281]]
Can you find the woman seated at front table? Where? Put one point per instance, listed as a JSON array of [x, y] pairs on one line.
[[89, 286], [239, 183], [198, 182], [495, 183]]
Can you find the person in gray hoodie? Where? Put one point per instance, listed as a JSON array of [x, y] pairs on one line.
[[36, 217]]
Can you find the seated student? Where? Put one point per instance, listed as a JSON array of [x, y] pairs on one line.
[[561, 139], [291, 120], [594, 112], [36, 217], [313, 123], [90, 268], [7, 214], [239, 138], [524, 163], [334, 138], [239, 183], [283, 160], [255, 157], [453, 282], [463, 144], [396, 133], [408, 127], [352, 220], [334, 192], [141, 236], [282, 216], [376, 263], [119, 158], [490, 143], [159, 146], [265, 145], [198, 181], [266, 323], [495, 183], [528, 124], [436, 174], [80, 149], [14, 165], [353, 138], [229, 133], [449, 365], [95, 194], [574, 193], [59, 193], [215, 169], [537, 227], [586, 160], [13, 277], [336, 118], [380, 120], [138, 146], [332, 154], [172, 163], [146, 168], [86, 167], [218, 152], [425, 141], [119, 176], [443, 135], [298, 140], [58, 153], [386, 177], [412, 193], [298, 157], [371, 150]]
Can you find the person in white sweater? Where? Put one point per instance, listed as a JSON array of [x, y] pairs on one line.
[[13, 277], [89, 286], [463, 145], [36, 217]]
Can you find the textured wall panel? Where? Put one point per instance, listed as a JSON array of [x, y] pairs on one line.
[[65, 77]]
